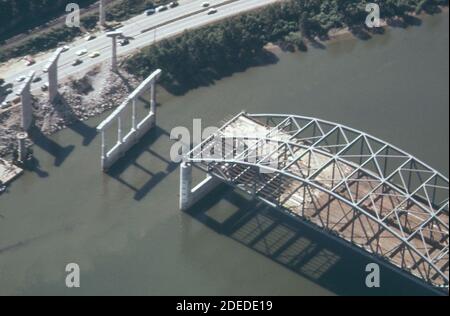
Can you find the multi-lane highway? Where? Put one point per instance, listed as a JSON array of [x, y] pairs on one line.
[[142, 30]]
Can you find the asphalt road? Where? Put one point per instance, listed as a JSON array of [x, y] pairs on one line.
[[142, 30]]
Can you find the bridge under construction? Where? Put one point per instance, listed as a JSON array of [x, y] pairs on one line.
[[351, 185]]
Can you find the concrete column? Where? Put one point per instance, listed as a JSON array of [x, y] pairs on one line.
[[153, 102], [102, 17], [185, 185], [133, 118], [153, 98], [103, 145], [119, 130], [114, 36], [52, 70], [104, 157], [22, 148], [25, 99], [139, 129], [27, 109], [52, 83], [114, 54]]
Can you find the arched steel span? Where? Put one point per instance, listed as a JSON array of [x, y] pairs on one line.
[[351, 184]]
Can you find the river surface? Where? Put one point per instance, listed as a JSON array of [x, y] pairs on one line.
[[125, 231]]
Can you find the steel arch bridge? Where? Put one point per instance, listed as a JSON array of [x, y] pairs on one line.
[[348, 183]]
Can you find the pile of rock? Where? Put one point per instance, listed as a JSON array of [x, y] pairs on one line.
[[100, 91]]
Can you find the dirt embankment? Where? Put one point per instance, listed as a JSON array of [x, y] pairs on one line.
[[80, 98]]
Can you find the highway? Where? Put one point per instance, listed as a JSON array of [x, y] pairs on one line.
[[142, 30]]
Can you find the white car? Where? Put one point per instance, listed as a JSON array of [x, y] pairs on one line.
[[76, 62], [90, 37], [161, 8], [82, 52], [29, 62], [21, 78], [212, 11], [65, 48], [94, 54]]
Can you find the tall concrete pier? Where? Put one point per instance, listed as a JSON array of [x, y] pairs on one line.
[[185, 185], [25, 99], [138, 129], [188, 195], [114, 36], [52, 70]]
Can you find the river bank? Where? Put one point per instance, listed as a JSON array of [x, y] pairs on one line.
[[81, 97], [202, 56]]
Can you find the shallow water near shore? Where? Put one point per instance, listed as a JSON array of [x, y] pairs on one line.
[[125, 231]]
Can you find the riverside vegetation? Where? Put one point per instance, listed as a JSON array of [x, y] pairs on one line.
[[200, 56]]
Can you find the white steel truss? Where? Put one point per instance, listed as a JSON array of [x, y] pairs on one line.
[[349, 183]]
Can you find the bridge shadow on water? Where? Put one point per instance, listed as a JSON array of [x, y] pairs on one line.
[[297, 246], [130, 159], [60, 153], [76, 125]]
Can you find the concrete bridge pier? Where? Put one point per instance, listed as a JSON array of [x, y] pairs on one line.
[[188, 195], [26, 102], [114, 36], [185, 185], [126, 138], [52, 70], [153, 102]]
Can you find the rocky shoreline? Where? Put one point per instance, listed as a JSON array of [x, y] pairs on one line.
[[80, 99]]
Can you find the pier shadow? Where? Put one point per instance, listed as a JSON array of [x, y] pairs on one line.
[[87, 132], [301, 248], [125, 80], [65, 110], [59, 152], [33, 165], [130, 159]]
